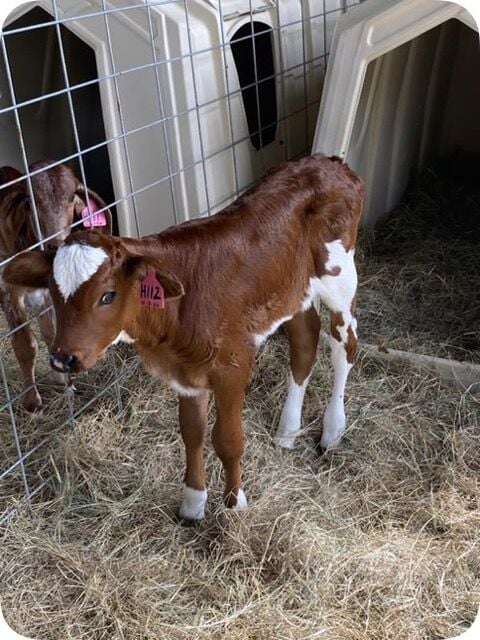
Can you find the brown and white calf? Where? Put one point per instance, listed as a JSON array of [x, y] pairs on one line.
[[60, 198], [198, 299]]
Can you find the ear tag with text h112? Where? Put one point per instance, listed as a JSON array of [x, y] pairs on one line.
[[151, 291]]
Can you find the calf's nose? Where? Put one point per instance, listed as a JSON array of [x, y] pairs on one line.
[[63, 362]]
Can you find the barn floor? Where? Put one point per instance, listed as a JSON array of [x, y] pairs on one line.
[[378, 540]]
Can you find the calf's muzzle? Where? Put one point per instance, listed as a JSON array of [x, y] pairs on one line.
[[63, 362]]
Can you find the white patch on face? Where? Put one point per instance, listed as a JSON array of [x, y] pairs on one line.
[[337, 292], [123, 337], [259, 338], [74, 264], [290, 420], [193, 503], [189, 392]]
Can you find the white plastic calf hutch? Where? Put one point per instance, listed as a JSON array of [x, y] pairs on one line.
[[177, 140], [402, 88]]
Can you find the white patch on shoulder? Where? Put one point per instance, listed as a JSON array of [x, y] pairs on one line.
[[259, 338], [123, 337], [193, 503], [190, 392], [336, 291], [74, 264]]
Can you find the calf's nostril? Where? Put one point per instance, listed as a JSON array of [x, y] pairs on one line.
[[63, 362], [70, 362]]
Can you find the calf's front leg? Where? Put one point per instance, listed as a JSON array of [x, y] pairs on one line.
[[228, 439], [46, 322], [192, 415], [24, 344]]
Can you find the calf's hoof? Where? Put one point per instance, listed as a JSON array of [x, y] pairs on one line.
[[186, 522], [193, 504], [334, 423], [32, 401], [237, 501], [286, 440]]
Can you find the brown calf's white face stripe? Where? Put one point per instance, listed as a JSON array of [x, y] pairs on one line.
[[75, 264]]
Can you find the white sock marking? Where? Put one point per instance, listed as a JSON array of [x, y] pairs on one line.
[[74, 264], [290, 420], [193, 503], [337, 292], [241, 501], [334, 420]]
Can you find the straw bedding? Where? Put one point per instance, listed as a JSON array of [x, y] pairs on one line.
[[420, 269], [375, 541]]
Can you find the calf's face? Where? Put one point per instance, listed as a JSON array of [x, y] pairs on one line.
[[91, 299], [60, 200], [94, 281]]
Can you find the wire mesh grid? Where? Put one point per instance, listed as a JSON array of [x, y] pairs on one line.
[[167, 109]]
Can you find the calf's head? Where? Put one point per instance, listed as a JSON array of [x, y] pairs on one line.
[[95, 283], [60, 199]]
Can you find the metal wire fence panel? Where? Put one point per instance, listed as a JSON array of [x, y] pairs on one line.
[[166, 109]]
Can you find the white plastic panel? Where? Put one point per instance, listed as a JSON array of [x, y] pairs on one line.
[[402, 88], [234, 8], [209, 164]]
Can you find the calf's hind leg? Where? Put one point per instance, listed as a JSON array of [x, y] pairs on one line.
[[302, 331], [343, 345], [338, 293]]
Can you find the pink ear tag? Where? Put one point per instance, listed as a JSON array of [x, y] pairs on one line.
[[152, 293], [96, 220]]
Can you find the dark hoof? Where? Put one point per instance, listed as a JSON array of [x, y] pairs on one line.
[[186, 522]]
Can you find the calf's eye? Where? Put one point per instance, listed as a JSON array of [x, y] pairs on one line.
[[108, 298]]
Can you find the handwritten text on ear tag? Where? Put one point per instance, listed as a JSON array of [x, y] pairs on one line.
[[95, 220], [151, 291]]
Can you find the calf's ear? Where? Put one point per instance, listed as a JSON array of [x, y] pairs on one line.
[[137, 267], [30, 269], [82, 196]]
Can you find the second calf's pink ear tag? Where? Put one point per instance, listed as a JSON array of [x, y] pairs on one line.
[[92, 219], [152, 293]]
